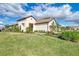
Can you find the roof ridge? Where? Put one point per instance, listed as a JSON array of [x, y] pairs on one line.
[[26, 17]]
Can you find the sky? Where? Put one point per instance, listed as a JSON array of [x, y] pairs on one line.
[[66, 14]]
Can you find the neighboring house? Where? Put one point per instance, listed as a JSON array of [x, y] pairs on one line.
[[72, 27], [37, 24]]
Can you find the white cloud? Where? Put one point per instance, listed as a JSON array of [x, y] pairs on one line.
[[41, 10], [63, 12], [74, 16], [12, 9], [1, 22], [58, 12]]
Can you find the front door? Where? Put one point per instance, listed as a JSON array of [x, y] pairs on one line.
[[31, 27]]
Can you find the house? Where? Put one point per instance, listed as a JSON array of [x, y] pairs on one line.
[[36, 24], [72, 27]]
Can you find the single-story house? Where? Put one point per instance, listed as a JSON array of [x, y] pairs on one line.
[[37, 24], [72, 27]]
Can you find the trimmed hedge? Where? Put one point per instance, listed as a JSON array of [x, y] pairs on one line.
[[69, 35]]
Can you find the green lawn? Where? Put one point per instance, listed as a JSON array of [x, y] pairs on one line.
[[26, 44]]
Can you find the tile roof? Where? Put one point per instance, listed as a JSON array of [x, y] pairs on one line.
[[41, 20], [45, 19], [25, 18]]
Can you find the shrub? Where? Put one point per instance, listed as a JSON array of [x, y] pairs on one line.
[[41, 31], [69, 35], [49, 33], [29, 30], [13, 28]]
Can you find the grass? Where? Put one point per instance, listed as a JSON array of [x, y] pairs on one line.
[[31, 44]]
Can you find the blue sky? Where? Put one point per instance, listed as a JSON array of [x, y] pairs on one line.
[[66, 14]]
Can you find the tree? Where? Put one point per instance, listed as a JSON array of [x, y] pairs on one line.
[[12, 28], [54, 28]]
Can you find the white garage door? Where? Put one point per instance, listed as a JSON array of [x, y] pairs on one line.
[[40, 27]]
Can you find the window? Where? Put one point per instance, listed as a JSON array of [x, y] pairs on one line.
[[23, 24], [31, 18], [53, 22]]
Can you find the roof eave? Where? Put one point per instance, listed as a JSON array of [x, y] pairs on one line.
[[26, 18]]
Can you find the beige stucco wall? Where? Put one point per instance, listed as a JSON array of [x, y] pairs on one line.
[[50, 23], [26, 23]]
